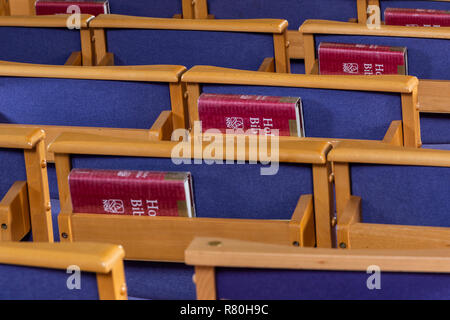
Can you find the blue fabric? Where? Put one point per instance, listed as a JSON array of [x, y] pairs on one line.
[[28, 283], [260, 284], [146, 8], [12, 169], [297, 66], [437, 146], [427, 58], [226, 191], [189, 48], [413, 4], [38, 45], [295, 11], [405, 195], [435, 128], [159, 281], [334, 113], [94, 103]]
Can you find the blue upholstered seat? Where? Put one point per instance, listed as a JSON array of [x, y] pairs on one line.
[[38, 45], [11, 170], [405, 195], [435, 128], [29, 283], [295, 11], [189, 48], [334, 113], [262, 284], [148, 8]]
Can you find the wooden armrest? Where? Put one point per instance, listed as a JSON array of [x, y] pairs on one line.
[[237, 25], [302, 222], [295, 151], [394, 135], [381, 153], [50, 21], [21, 138], [15, 213], [151, 73], [74, 59], [219, 252], [217, 75], [349, 28], [90, 257], [268, 65], [163, 127], [434, 96]]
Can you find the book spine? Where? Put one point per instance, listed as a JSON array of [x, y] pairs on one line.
[[362, 60], [417, 17], [249, 115], [54, 7], [127, 193]]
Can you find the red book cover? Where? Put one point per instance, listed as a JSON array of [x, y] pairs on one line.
[[417, 17], [252, 114], [361, 59], [126, 192], [48, 7]]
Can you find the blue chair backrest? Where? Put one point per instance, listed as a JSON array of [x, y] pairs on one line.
[[30, 283], [74, 102], [333, 113], [159, 280], [38, 45], [226, 191], [189, 48], [427, 58], [435, 128], [295, 11], [263, 284], [406, 195], [12, 169], [148, 8]]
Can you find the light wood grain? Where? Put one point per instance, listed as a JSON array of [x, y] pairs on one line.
[[348, 28], [153, 73], [296, 49], [383, 236], [51, 21], [238, 25], [394, 135], [21, 138], [15, 213], [216, 75], [235, 253], [434, 96], [385, 154], [205, 283], [74, 59], [297, 151]]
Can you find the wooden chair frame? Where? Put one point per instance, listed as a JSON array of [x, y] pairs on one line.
[[351, 231], [166, 238], [404, 85], [85, 57], [173, 119], [27, 200], [106, 260], [208, 253], [279, 63]]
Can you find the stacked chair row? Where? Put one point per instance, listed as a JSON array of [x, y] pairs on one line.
[[110, 94], [299, 212]]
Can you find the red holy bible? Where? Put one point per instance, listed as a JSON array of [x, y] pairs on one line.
[[138, 193], [251, 114], [361, 59], [48, 7], [417, 17]]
